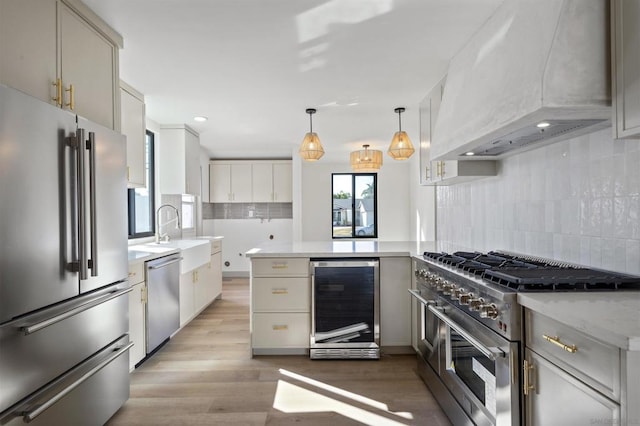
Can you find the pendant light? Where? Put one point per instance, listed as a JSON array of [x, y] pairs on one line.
[[401, 147], [366, 160], [311, 148]]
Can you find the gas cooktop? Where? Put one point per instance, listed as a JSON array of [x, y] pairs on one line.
[[521, 273]]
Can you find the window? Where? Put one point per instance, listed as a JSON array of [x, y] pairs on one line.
[[355, 207], [188, 212], [141, 200]]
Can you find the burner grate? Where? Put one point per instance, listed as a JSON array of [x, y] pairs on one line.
[[561, 279]]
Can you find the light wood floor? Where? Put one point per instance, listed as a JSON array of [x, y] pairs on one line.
[[206, 376]]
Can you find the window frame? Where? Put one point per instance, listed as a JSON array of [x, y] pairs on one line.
[[354, 235], [151, 186]]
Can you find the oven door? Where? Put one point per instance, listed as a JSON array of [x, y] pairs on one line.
[[427, 327], [479, 367]]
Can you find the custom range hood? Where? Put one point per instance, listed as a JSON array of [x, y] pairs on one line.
[[533, 61]]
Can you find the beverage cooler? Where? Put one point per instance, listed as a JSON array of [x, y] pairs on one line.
[[345, 308]]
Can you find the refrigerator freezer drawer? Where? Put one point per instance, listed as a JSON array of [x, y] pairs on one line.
[[40, 347], [88, 395]]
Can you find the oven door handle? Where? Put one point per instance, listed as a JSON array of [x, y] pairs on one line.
[[491, 353], [421, 299]]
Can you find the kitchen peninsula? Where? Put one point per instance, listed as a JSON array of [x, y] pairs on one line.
[[281, 302]]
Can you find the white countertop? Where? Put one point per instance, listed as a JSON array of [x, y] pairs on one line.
[[195, 251], [340, 248], [142, 253], [612, 317]]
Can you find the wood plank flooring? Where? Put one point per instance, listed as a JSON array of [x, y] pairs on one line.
[[206, 376]]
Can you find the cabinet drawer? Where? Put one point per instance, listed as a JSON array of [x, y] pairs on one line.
[[280, 294], [279, 330], [593, 362], [136, 273], [280, 267]]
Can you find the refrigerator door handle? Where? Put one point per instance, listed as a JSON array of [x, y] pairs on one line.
[[29, 416], [82, 207], [91, 146], [29, 329]]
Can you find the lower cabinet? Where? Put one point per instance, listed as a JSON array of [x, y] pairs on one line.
[[558, 398], [570, 378], [137, 316], [200, 287], [280, 306]]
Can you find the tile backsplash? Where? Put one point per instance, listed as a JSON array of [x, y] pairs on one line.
[[261, 211], [576, 201]]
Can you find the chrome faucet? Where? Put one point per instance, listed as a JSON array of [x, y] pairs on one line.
[[158, 224]]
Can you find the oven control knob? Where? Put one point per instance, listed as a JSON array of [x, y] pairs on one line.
[[455, 294], [448, 288], [475, 304], [465, 298], [489, 311]]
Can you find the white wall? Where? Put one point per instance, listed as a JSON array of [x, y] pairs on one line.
[[393, 200], [242, 235], [577, 201], [422, 208]]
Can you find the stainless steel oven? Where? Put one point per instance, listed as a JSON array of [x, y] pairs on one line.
[[478, 367], [471, 369]]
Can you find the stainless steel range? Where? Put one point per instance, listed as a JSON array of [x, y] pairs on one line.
[[470, 326]]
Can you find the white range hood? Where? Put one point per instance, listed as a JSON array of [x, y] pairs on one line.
[[532, 61]]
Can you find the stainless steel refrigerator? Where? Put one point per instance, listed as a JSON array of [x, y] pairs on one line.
[[63, 266]]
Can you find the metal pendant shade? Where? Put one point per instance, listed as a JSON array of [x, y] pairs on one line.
[[311, 148], [366, 160], [401, 147]]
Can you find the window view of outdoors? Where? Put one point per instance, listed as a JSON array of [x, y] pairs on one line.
[[141, 204], [354, 205]]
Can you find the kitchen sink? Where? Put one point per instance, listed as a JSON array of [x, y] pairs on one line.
[[195, 253]]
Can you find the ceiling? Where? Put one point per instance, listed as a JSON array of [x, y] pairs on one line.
[[253, 66]]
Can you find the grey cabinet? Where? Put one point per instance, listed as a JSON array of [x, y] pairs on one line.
[[444, 172], [625, 38], [61, 52]]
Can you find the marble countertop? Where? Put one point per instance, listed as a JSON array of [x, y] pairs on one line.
[[341, 248], [611, 317]]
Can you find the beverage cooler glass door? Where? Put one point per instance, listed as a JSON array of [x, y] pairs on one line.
[[345, 304]]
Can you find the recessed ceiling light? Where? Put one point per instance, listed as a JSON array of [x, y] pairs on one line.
[[469, 153], [543, 124], [200, 118]]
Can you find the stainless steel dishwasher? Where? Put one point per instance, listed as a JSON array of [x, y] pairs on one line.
[[163, 300]]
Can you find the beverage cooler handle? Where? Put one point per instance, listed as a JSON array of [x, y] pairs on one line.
[[91, 146], [313, 306], [82, 207]]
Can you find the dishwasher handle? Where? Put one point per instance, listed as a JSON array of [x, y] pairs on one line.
[[167, 263]]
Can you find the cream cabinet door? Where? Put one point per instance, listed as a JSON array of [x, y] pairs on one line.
[[187, 297], [88, 64], [28, 52], [134, 128], [241, 183], [262, 178], [216, 272], [219, 183], [625, 15], [282, 182], [192, 164], [137, 324]]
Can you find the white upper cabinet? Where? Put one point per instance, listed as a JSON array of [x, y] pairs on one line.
[[625, 25], [230, 182], [61, 52], [134, 128], [272, 182], [250, 181], [179, 159], [444, 172]]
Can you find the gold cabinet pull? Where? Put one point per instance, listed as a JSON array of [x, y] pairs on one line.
[[279, 291], [556, 341], [442, 169], [72, 103], [58, 97], [527, 371], [280, 327]]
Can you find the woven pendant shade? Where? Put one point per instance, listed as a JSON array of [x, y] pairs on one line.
[[401, 147], [366, 160], [311, 148]]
